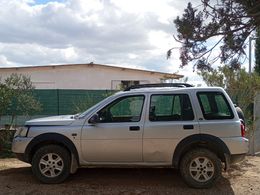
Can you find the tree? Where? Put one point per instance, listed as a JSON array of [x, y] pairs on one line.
[[257, 52], [224, 23], [5, 98], [18, 99]]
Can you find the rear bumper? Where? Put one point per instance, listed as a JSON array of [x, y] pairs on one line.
[[237, 158], [237, 145], [231, 159]]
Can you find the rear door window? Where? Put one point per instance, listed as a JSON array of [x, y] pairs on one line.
[[170, 107], [214, 105]]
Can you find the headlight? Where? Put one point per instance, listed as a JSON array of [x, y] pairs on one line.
[[21, 132]]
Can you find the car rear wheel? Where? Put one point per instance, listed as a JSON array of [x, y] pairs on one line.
[[200, 168], [51, 164]]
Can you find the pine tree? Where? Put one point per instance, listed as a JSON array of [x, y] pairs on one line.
[[223, 24], [257, 52]]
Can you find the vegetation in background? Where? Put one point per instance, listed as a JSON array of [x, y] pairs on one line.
[[257, 51], [6, 137], [224, 23], [16, 97], [83, 103], [5, 98], [240, 85]]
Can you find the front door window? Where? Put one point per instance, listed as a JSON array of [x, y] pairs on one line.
[[125, 109]]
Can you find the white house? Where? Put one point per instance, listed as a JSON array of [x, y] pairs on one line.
[[86, 76]]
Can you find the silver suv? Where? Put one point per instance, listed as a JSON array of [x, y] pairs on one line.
[[196, 130]]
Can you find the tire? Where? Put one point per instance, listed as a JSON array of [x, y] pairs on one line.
[[200, 168], [51, 164]]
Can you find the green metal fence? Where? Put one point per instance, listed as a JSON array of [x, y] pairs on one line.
[[58, 102], [61, 102]]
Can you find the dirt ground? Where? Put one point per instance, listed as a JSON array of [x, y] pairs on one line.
[[16, 178]]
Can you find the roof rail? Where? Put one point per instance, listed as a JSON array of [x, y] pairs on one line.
[[158, 85]]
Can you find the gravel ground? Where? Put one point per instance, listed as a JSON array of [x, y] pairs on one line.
[[16, 178]]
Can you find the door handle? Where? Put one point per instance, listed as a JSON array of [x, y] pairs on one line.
[[134, 128], [188, 127]]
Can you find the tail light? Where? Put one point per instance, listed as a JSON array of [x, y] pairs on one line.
[[243, 129]]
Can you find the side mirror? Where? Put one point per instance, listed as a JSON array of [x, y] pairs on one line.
[[94, 119]]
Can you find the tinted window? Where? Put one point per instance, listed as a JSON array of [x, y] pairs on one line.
[[214, 105], [170, 108], [125, 109]]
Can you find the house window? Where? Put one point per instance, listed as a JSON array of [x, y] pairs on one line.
[[125, 84]]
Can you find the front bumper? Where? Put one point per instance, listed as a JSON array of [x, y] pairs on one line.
[[21, 157], [19, 146]]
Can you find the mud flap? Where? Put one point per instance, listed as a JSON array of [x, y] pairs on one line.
[[74, 164], [227, 161]]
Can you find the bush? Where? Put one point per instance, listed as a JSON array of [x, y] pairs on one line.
[[6, 137]]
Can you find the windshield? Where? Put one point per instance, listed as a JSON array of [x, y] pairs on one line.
[[94, 107]]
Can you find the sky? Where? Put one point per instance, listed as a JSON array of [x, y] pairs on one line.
[[130, 33]]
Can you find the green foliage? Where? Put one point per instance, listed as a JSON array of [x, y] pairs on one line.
[[82, 104], [216, 23], [5, 98], [6, 137], [17, 96], [257, 52], [241, 86]]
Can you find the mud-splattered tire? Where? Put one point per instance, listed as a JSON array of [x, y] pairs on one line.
[[200, 168], [51, 164]]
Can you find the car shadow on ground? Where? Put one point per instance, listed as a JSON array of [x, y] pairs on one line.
[[108, 181], [238, 170]]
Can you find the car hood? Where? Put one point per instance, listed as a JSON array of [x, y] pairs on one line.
[[53, 120]]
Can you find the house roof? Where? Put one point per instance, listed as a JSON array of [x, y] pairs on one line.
[[165, 75]]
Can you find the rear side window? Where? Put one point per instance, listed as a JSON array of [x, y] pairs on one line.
[[214, 105], [172, 107]]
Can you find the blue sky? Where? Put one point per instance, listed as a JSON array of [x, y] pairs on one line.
[[46, 1]]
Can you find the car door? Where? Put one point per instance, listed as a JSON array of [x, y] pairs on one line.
[[117, 136], [171, 118]]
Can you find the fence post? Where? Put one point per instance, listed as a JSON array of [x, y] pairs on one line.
[[255, 135], [58, 101]]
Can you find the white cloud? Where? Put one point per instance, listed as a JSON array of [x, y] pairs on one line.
[[3, 61], [118, 32]]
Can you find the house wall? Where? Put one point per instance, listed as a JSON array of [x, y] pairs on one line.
[[82, 76]]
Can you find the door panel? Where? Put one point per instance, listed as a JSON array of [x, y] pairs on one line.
[[171, 118], [112, 142], [117, 137], [161, 138]]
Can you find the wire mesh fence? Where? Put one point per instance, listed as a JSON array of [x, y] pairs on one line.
[[60, 102]]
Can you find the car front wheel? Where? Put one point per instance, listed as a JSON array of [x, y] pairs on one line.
[[51, 164]]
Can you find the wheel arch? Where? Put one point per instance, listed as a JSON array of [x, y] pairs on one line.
[[207, 141], [50, 138]]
